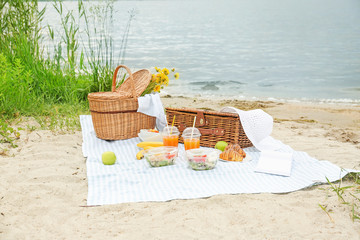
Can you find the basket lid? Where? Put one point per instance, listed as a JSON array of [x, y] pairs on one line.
[[108, 95], [132, 87], [141, 78]]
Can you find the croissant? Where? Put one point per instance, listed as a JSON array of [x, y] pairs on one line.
[[233, 152], [231, 155]]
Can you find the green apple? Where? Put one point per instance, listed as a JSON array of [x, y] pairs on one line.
[[221, 145], [108, 158]]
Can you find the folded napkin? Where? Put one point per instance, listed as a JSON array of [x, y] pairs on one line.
[[257, 126], [278, 163], [151, 105]]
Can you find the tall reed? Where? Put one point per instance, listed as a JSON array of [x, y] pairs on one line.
[[100, 59], [90, 50]]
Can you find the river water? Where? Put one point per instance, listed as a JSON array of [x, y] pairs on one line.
[[259, 49]]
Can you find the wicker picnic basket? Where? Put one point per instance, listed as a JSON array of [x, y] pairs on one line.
[[114, 114], [214, 126]]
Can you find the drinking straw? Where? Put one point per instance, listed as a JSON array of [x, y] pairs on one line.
[[167, 125], [192, 130], [172, 125]]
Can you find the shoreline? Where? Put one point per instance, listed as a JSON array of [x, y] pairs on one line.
[[330, 101]]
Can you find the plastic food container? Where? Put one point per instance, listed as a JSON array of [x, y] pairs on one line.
[[161, 156], [203, 158], [150, 135], [191, 136]]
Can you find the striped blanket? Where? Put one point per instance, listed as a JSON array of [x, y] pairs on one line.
[[131, 180]]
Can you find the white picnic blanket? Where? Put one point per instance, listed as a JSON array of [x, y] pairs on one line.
[[131, 180]]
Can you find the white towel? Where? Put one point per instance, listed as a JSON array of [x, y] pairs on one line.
[[151, 105]]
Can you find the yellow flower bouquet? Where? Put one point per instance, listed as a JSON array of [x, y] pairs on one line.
[[159, 80]]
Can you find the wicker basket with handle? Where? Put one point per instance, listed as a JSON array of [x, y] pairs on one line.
[[214, 126], [114, 114]]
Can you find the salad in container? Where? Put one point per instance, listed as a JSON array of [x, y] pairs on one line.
[[161, 156], [203, 158]]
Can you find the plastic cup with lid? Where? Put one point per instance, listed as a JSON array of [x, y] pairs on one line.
[[170, 136], [191, 136]]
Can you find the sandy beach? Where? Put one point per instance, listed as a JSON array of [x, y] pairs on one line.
[[43, 186]]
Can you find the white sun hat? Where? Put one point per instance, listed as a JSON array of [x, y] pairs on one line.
[[257, 126]]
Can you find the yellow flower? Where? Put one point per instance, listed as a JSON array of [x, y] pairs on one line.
[[157, 88], [165, 81], [161, 78], [164, 78], [165, 71], [158, 78], [153, 78]]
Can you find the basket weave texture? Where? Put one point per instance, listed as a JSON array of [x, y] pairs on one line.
[[114, 114], [214, 126]]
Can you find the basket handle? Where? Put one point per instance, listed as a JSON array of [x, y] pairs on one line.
[[113, 89]]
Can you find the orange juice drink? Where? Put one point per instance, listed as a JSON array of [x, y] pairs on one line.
[[191, 136], [170, 136], [191, 143], [171, 140]]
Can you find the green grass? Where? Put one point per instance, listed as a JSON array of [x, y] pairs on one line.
[[8, 134], [348, 195], [52, 84], [324, 208]]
